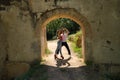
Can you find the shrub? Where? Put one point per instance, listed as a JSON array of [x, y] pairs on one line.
[[76, 40]]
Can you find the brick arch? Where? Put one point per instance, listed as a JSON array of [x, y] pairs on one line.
[[72, 14]]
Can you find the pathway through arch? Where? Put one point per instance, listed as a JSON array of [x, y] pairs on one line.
[[69, 69], [74, 61]]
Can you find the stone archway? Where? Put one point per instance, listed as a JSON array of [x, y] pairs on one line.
[[72, 14]]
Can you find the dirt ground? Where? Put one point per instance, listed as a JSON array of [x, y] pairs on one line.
[[70, 68]]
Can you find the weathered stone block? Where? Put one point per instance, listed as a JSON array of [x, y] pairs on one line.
[[14, 69]]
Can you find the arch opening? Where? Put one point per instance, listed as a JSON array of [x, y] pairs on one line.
[[73, 39], [70, 14]]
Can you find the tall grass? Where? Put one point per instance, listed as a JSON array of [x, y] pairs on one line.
[[77, 50], [47, 51]]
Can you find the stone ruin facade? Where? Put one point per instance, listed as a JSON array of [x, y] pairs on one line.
[[23, 32]]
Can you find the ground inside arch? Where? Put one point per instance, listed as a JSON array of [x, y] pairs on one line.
[[68, 69]]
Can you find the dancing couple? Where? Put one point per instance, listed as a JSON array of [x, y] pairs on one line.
[[62, 35]]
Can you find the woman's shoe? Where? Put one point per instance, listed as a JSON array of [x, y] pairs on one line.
[[62, 57], [55, 57]]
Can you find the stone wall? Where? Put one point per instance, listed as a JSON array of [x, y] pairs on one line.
[[22, 44], [3, 47], [18, 45], [18, 42], [103, 17]]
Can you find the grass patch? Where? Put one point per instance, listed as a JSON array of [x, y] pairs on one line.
[[77, 50], [47, 51]]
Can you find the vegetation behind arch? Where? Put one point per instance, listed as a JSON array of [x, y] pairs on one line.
[[56, 24]]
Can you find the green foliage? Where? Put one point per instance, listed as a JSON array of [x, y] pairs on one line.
[[54, 25], [77, 50], [71, 37], [79, 34], [78, 40], [74, 38], [47, 51]]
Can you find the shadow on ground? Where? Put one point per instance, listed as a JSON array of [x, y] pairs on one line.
[[45, 72], [60, 62]]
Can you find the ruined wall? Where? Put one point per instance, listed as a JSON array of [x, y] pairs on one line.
[[20, 35], [103, 17], [2, 47], [18, 45], [20, 17]]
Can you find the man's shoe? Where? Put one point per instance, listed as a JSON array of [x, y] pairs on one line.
[[62, 57]]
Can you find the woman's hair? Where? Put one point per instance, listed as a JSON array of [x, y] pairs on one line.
[[65, 30], [58, 33]]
